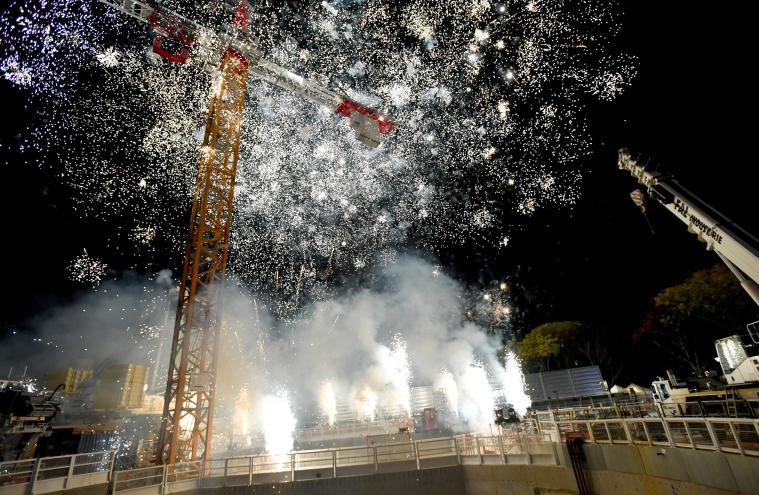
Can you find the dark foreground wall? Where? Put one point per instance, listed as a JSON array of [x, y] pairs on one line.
[[440, 481], [456, 480], [640, 469]]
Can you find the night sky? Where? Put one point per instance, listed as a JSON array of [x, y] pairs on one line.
[[689, 111]]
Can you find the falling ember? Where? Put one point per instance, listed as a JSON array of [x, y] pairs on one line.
[[328, 402], [109, 57], [86, 269], [451, 113], [17, 74], [480, 35], [143, 235], [503, 109]]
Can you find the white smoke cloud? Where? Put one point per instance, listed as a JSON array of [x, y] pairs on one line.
[[370, 346], [122, 321]]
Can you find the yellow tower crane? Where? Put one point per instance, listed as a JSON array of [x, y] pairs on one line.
[[190, 388]]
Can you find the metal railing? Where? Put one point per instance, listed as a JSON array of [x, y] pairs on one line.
[[724, 408], [53, 474], [337, 462], [740, 436]]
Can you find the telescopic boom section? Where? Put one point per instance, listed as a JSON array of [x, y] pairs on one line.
[[737, 248]]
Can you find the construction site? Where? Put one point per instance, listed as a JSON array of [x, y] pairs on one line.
[[317, 324]]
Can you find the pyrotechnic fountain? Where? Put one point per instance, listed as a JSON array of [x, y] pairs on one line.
[[277, 422], [328, 402]]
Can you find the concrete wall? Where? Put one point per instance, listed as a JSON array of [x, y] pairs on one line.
[[101, 489], [625, 469], [439, 481], [518, 480]]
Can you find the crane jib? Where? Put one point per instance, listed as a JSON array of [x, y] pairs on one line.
[[347, 107], [369, 125]]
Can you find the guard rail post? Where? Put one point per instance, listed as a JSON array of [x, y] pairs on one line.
[[627, 431], [648, 433], [34, 474], [690, 436], [69, 473], [416, 455], [668, 432], [736, 438], [111, 463], [713, 436], [608, 431], [113, 482]]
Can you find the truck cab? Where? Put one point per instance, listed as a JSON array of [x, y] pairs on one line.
[[738, 355]]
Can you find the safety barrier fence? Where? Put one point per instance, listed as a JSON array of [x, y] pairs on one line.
[[54, 474], [335, 463], [740, 436], [731, 408]]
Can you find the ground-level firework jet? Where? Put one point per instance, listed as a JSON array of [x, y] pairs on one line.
[[189, 402]]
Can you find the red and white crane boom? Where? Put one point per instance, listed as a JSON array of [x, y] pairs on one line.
[[209, 46]]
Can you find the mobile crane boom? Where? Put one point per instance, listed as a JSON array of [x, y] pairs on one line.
[[736, 247]]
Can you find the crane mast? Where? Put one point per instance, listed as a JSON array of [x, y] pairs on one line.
[[190, 388], [186, 429], [738, 249]]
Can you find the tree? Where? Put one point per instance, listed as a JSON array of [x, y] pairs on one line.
[[595, 343], [684, 320], [573, 343], [544, 342]]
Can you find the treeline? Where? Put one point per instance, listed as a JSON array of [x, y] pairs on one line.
[[676, 331]]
